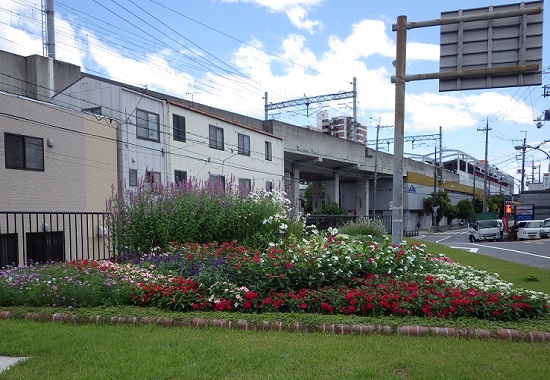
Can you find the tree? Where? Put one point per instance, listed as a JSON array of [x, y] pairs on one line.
[[465, 208], [478, 204], [495, 203], [439, 200], [451, 212], [308, 198]]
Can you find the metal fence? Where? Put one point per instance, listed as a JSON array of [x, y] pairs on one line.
[[27, 237]]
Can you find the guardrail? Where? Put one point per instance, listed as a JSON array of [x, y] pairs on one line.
[[29, 237]]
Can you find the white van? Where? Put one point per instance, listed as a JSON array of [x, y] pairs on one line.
[[545, 230], [530, 231]]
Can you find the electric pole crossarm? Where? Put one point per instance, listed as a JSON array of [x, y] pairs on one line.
[[309, 100], [408, 138]]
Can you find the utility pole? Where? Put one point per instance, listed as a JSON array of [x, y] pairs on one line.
[[486, 130], [435, 170], [399, 129], [355, 111], [523, 163], [474, 192], [440, 152], [376, 165]]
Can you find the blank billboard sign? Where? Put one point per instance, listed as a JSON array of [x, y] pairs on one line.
[[491, 44]]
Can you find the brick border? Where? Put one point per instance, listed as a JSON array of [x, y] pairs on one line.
[[336, 329]]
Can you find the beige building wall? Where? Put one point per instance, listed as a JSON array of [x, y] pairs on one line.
[[100, 161], [79, 158]]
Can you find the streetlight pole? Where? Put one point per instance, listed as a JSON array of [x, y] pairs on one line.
[[523, 163], [523, 148]]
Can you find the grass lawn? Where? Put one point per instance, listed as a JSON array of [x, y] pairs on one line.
[[69, 351], [63, 351]]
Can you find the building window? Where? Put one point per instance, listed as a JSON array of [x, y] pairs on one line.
[[24, 152], [178, 127], [133, 179], [268, 151], [244, 144], [147, 124], [268, 186], [152, 178], [216, 137], [217, 182], [94, 110], [180, 176], [245, 185]]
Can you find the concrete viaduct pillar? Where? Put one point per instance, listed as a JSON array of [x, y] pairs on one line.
[[332, 190], [317, 195], [295, 189], [362, 198]]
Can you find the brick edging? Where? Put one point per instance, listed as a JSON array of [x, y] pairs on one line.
[[337, 329]]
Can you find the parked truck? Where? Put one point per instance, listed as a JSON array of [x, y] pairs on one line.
[[484, 226]]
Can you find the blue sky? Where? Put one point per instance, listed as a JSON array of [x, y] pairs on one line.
[[228, 53]]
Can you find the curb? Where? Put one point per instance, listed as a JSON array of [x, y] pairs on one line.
[[336, 329]]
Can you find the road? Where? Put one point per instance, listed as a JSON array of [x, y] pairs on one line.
[[534, 253]]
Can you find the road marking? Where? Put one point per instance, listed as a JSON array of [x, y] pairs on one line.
[[513, 250], [440, 240], [472, 250]]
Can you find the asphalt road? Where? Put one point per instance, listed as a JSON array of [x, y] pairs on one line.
[[535, 253]]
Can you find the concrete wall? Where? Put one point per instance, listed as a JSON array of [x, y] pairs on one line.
[[30, 76]]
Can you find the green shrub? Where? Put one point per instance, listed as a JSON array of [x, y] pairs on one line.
[[144, 218], [363, 227]]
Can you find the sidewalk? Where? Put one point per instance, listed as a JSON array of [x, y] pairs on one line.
[[7, 362]]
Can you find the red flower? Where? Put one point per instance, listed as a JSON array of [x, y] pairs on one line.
[[303, 306], [326, 307], [250, 295]]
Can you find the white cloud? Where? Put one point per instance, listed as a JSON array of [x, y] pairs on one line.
[[296, 11], [20, 29], [152, 70]]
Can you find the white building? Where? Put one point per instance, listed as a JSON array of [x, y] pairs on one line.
[[163, 140]]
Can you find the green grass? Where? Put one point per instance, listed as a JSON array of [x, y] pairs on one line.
[[104, 351], [518, 274], [64, 351]]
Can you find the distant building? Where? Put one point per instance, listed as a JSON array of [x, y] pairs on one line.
[[343, 127]]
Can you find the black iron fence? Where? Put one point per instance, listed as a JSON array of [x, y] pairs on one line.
[[27, 237]]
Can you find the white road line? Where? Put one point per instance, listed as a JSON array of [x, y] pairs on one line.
[[472, 250], [513, 250], [440, 240]]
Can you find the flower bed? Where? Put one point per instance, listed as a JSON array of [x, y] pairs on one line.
[[322, 274]]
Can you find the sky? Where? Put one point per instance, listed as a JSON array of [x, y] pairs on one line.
[[229, 53]]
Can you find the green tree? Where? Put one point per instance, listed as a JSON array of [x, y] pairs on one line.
[[308, 199], [450, 212], [465, 208], [478, 204], [331, 209], [495, 203], [439, 200]]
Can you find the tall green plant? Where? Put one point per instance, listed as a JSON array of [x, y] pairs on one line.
[[144, 218]]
